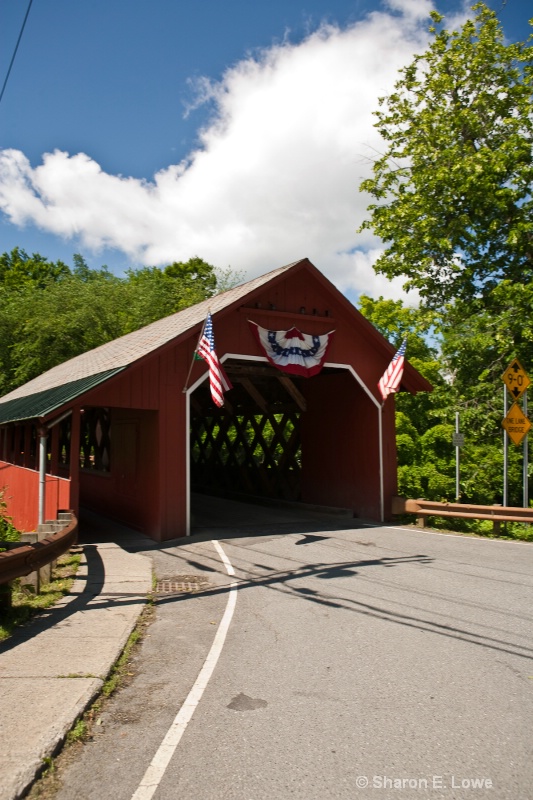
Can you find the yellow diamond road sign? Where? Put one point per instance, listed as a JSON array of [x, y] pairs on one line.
[[516, 379], [516, 424]]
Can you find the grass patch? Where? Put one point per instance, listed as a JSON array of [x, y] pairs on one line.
[[25, 603], [78, 733], [484, 527], [512, 531], [120, 668]]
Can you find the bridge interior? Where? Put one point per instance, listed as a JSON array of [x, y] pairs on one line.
[[255, 446]]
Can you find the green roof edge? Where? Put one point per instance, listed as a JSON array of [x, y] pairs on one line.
[[41, 404]]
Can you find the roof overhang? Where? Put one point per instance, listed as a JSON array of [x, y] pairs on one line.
[[41, 404]]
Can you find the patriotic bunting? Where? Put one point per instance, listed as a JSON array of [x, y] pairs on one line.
[[293, 351]]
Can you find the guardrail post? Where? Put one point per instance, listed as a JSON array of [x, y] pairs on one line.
[[496, 525], [5, 596], [44, 530], [34, 578], [421, 520]]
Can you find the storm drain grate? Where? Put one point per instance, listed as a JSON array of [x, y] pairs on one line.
[[182, 583]]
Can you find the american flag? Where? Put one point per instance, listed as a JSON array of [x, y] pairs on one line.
[[392, 377], [218, 380]]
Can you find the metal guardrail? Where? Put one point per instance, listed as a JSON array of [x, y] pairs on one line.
[[20, 561], [428, 508]]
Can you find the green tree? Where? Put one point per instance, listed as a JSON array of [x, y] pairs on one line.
[[24, 283], [66, 319], [18, 270], [50, 313], [480, 338], [155, 293], [462, 350], [423, 433], [398, 322], [453, 187], [195, 276]]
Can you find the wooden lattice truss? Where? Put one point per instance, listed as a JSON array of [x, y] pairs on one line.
[[252, 445]]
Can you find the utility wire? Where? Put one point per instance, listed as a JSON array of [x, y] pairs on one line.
[[15, 51]]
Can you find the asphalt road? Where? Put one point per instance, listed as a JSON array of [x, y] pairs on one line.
[[360, 662]]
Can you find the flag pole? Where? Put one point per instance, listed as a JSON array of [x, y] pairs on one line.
[[194, 352], [381, 476]]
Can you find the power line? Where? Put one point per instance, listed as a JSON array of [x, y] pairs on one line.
[[15, 51]]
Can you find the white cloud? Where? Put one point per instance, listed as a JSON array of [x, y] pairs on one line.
[[275, 178], [416, 9]]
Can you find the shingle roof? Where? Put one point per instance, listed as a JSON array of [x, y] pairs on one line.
[[40, 396]]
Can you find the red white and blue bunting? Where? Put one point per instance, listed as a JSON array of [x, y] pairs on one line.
[[293, 351]]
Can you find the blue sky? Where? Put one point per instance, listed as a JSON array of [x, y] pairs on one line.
[[256, 118]]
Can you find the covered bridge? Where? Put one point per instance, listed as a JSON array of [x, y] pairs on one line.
[[130, 429]]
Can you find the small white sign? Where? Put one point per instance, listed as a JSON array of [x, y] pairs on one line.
[[458, 439]]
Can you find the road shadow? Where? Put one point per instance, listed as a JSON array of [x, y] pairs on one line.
[[92, 586], [284, 581]]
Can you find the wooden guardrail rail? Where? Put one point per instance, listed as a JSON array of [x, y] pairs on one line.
[[20, 561], [428, 508]]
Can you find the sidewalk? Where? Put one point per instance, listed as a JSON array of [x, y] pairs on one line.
[[52, 669]]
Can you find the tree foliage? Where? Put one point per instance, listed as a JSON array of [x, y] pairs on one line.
[[453, 187], [424, 469], [50, 312], [463, 350], [452, 203], [18, 270]]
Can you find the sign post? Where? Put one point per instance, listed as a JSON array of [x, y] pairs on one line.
[[515, 424], [525, 493], [458, 441], [505, 449]]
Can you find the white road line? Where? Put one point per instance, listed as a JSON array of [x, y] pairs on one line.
[[457, 535], [154, 774]]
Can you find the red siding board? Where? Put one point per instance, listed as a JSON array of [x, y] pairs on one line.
[[340, 446], [389, 455], [172, 453], [22, 495], [124, 398], [154, 383], [129, 492]]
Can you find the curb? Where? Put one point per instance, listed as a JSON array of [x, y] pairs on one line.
[[46, 683]]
